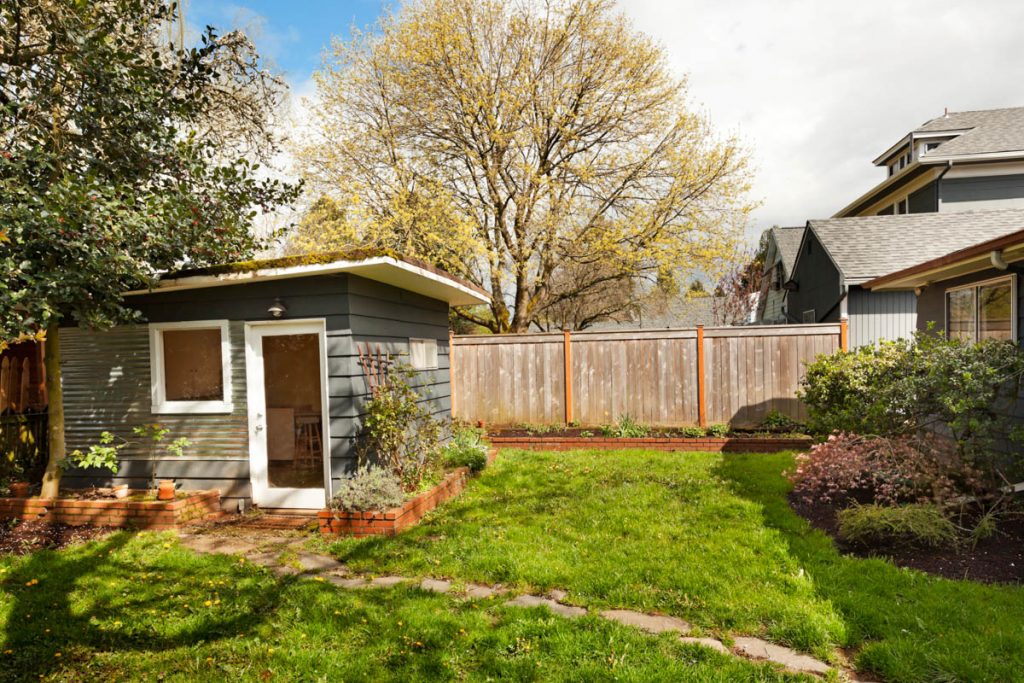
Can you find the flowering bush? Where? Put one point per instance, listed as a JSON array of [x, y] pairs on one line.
[[888, 471], [370, 488]]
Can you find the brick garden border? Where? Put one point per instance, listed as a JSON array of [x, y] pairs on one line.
[[390, 522], [728, 444], [154, 515]]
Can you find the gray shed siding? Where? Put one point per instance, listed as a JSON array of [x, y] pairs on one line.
[[107, 374], [876, 316], [818, 284], [982, 193]]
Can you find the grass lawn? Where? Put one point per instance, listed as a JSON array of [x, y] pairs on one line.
[[709, 538], [141, 607]]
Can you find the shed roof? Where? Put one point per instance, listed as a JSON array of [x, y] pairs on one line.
[[383, 266], [867, 247]]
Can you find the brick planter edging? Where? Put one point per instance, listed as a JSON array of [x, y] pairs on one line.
[[390, 522], [729, 444], [152, 515]]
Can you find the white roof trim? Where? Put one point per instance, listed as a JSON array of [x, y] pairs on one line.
[[384, 269]]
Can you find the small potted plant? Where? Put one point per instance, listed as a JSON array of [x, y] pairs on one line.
[[155, 433]]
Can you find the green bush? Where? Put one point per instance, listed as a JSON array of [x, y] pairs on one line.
[[625, 428], [398, 432], [693, 432], [778, 423], [918, 523], [467, 448], [370, 488], [964, 390], [718, 430]]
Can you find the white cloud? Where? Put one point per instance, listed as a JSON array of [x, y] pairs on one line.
[[818, 89]]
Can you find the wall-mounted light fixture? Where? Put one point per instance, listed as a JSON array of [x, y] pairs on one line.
[[277, 309]]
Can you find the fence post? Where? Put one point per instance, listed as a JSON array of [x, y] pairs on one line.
[[567, 353], [451, 371], [844, 335], [702, 417]]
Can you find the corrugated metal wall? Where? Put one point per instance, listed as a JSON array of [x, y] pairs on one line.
[[875, 316]]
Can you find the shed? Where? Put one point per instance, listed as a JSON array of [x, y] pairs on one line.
[[257, 365]]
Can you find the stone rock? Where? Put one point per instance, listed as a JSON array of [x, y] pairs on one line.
[[556, 607], [707, 642], [436, 585], [479, 592], [387, 581], [344, 582], [652, 623], [755, 648], [556, 594], [312, 562]]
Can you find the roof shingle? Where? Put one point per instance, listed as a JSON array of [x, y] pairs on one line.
[[787, 243], [992, 130], [866, 247]]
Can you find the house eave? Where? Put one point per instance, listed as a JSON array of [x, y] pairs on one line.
[[385, 269]]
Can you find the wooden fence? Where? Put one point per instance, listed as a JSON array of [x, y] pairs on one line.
[[23, 403], [658, 377]]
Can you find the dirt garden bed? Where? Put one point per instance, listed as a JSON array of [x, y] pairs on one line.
[[137, 511], [999, 559]]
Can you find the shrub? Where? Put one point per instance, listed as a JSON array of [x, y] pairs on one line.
[[626, 428], [894, 388], [718, 430], [103, 454], [467, 448], [370, 488], [880, 470], [918, 523], [398, 433], [778, 423]]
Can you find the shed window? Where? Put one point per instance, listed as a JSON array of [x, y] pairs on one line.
[[423, 354], [985, 310], [190, 365]]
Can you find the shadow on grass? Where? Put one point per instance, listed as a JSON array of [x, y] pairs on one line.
[[907, 625], [64, 605]]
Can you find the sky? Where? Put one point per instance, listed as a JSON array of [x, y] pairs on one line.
[[814, 90]]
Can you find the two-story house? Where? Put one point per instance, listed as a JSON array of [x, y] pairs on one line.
[[956, 181]]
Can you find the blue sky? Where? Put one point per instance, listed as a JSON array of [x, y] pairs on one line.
[[293, 33]]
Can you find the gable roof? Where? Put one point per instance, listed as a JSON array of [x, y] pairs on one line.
[[986, 132], [867, 247], [787, 244], [383, 266]]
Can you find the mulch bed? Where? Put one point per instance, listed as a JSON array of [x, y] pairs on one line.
[[22, 538], [999, 559]]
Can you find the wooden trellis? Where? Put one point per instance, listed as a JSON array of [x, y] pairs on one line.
[[376, 367]]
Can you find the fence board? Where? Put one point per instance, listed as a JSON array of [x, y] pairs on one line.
[[650, 375]]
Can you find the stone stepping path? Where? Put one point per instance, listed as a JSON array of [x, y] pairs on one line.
[[329, 570]]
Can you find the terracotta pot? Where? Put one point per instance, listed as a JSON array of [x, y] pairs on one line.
[[20, 489], [165, 491], [121, 491]]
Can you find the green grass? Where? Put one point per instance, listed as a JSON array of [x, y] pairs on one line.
[[143, 608], [712, 539]]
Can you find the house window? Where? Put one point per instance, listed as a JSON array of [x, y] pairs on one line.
[[190, 365], [985, 310], [423, 354]]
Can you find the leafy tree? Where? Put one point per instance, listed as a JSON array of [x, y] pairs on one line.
[[120, 157], [543, 151]]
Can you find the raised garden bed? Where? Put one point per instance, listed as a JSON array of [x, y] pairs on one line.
[[138, 511], [726, 444], [390, 522]]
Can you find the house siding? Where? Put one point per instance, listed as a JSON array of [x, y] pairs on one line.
[[875, 316], [982, 193], [107, 374], [818, 283], [925, 200], [931, 304]]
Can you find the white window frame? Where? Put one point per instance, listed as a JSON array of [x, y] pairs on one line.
[[1011, 278], [428, 344], [160, 404]]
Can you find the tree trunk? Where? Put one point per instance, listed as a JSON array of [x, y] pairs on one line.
[[55, 414]]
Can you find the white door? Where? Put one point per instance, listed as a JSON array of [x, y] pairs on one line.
[[289, 443]]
